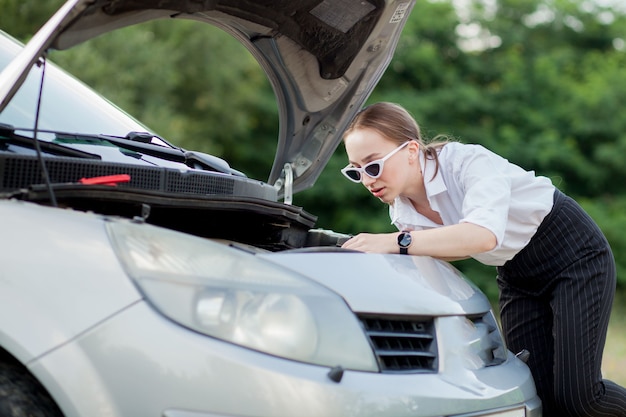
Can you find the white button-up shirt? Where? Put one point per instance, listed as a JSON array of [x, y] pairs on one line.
[[475, 185]]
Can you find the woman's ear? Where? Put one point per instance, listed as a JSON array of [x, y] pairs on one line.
[[413, 151]]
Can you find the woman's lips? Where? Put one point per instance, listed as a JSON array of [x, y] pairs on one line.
[[377, 192]]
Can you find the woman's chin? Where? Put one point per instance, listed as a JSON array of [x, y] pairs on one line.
[[386, 199]]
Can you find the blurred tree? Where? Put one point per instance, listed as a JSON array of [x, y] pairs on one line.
[[22, 18]]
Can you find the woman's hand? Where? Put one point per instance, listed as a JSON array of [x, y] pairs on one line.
[[376, 243]]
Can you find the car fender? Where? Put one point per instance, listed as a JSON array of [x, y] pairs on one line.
[[58, 277]]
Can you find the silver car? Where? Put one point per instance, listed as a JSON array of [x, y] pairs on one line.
[[141, 279]]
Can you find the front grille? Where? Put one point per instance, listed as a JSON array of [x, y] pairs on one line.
[[402, 345]]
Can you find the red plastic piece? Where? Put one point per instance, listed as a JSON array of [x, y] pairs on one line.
[[111, 180]]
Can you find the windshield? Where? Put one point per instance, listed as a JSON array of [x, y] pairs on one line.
[[67, 104]]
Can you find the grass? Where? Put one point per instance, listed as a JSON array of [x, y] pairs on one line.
[[614, 359]]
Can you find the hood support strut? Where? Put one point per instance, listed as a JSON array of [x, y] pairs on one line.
[[285, 183]]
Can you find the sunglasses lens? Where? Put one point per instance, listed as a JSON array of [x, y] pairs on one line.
[[373, 170], [353, 174]]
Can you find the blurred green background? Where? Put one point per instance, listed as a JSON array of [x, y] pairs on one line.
[[541, 82]]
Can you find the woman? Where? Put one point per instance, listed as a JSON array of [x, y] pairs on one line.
[[556, 272]]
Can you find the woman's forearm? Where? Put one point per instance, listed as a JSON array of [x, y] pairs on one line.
[[448, 242]]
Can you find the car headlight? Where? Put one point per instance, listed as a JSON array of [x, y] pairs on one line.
[[238, 297], [473, 342], [486, 342]]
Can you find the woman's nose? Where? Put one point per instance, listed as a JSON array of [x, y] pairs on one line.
[[367, 180]]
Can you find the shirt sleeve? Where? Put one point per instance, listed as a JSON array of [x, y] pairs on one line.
[[483, 176]]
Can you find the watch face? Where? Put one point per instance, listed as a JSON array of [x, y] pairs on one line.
[[404, 239]]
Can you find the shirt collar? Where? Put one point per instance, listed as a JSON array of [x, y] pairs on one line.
[[402, 210]]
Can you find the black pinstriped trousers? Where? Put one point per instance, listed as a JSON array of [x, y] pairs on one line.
[[555, 301]]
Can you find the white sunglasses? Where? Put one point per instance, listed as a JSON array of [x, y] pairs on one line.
[[372, 169]]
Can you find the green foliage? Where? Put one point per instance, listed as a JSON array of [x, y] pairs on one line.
[[546, 88], [21, 18]]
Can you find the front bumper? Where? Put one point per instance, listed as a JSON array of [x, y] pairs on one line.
[[530, 409], [140, 364]]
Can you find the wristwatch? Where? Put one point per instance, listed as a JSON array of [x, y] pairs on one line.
[[404, 241]]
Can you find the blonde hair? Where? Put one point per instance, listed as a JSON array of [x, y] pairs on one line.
[[396, 124]]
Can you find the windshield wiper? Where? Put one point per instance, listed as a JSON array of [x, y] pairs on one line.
[[8, 136], [143, 142], [138, 143]]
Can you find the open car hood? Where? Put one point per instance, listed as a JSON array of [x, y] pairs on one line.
[[322, 57]]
